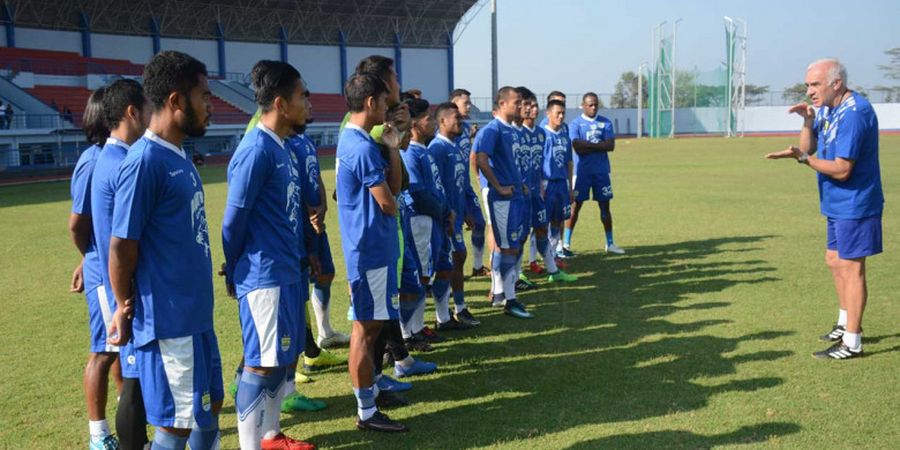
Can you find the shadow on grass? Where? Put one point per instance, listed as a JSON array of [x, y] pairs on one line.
[[685, 439]]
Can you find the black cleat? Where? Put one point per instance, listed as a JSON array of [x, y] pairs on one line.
[[417, 343], [388, 399], [482, 272], [836, 333], [453, 325], [381, 422], [430, 336], [466, 317], [838, 351]]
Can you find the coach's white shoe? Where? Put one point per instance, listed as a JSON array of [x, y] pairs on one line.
[[613, 248], [334, 340]]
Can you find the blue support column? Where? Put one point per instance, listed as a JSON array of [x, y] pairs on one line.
[[342, 42], [282, 44], [220, 40], [85, 23], [154, 35], [398, 60], [450, 62], [9, 21]]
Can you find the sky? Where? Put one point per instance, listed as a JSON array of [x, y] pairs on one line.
[[585, 45]]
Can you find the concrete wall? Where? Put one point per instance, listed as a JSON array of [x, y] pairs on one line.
[[240, 57], [355, 54], [206, 51], [137, 49], [320, 66], [66, 41], [426, 69]]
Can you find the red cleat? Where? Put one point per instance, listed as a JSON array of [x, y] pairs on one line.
[[535, 268], [282, 442], [562, 264]]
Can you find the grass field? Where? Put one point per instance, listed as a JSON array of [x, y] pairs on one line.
[[699, 337]]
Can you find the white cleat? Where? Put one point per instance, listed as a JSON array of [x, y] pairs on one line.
[[334, 340], [613, 248]]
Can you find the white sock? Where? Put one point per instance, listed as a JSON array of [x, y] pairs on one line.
[[288, 388], [532, 255], [419, 319], [853, 340], [323, 322], [271, 423], [478, 257], [99, 429], [459, 308], [842, 317], [406, 362], [550, 257], [442, 308]]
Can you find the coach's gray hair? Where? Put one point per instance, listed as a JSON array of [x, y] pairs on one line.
[[836, 70]]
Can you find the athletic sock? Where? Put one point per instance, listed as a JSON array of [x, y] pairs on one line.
[[205, 438], [321, 302], [290, 382], [271, 423], [254, 402], [842, 317], [167, 441], [533, 248], [609, 238], [98, 429], [548, 252], [510, 275], [441, 292], [567, 238], [419, 317], [477, 249], [406, 362], [407, 315], [312, 349], [365, 402], [853, 340], [497, 272], [459, 300]]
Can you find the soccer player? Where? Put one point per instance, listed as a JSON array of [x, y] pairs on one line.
[[494, 147], [593, 138], [367, 211], [557, 168], [840, 142], [452, 168], [556, 95], [159, 253], [263, 241], [87, 278], [523, 155], [126, 113], [473, 217]]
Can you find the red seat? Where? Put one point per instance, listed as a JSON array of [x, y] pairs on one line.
[[328, 107], [51, 62], [74, 98]]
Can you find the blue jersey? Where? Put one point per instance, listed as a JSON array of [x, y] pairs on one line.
[[103, 201], [263, 179], [368, 236], [500, 142], [307, 156], [850, 131], [453, 173], [81, 205], [424, 175], [564, 127], [592, 130], [533, 146], [160, 203], [464, 145], [557, 155]]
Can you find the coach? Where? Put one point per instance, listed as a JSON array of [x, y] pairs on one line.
[[839, 141]]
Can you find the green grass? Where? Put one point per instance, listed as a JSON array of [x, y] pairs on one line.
[[699, 337]]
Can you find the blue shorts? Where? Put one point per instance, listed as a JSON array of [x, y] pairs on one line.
[[526, 219], [538, 211], [100, 312], [432, 245], [599, 183], [128, 360], [373, 296], [323, 251], [411, 268], [556, 199], [180, 380], [854, 238], [473, 210], [506, 219], [458, 241], [273, 326]]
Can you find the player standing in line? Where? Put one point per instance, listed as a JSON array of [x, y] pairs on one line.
[[367, 213], [159, 252], [473, 217], [126, 113], [87, 278], [556, 95], [494, 148], [593, 138], [523, 155], [557, 168], [452, 169]]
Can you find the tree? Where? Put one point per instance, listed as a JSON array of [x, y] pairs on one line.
[[795, 93], [754, 94], [892, 69], [625, 95]]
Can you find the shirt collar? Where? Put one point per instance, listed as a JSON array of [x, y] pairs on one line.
[[499, 119], [592, 119], [271, 134], [547, 127], [444, 138], [155, 138], [356, 127], [416, 143], [531, 129], [113, 141]]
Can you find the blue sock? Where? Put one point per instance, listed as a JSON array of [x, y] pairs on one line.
[[609, 238], [252, 388], [205, 438], [459, 300], [441, 291], [167, 441], [325, 290], [542, 243], [478, 238], [365, 402], [567, 237], [407, 313]]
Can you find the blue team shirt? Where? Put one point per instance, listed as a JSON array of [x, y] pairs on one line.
[[103, 202], [369, 237], [557, 155], [850, 131], [81, 205], [263, 179], [307, 157], [532, 149], [447, 157], [424, 175], [160, 202], [500, 142], [564, 127], [464, 145], [593, 130]]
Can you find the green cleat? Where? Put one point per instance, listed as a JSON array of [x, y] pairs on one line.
[[298, 402], [561, 276], [232, 389], [325, 359]]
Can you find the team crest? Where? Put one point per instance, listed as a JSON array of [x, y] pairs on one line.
[[285, 343], [395, 301], [207, 401]]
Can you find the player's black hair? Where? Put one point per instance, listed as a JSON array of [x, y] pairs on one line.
[[169, 72], [360, 87], [444, 108], [380, 66], [589, 94], [459, 93], [555, 102], [417, 107], [526, 93], [93, 121], [118, 97], [504, 93], [273, 79], [555, 94]]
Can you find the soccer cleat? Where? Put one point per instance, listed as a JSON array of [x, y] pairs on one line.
[[836, 333], [524, 284], [388, 399], [466, 317], [335, 340], [561, 264], [301, 378], [482, 272], [516, 309], [452, 325], [232, 389], [431, 336], [417, 368], [324, 360], [298, 402], [109, 442], [566, 253], [282, 442], [561, 276], [496, 302], [536, 268], [838, 351], [381, 422], [418, 343], [613, 248], [388, 384]]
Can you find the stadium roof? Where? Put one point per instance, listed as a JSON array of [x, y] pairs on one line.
[[420, 23]]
